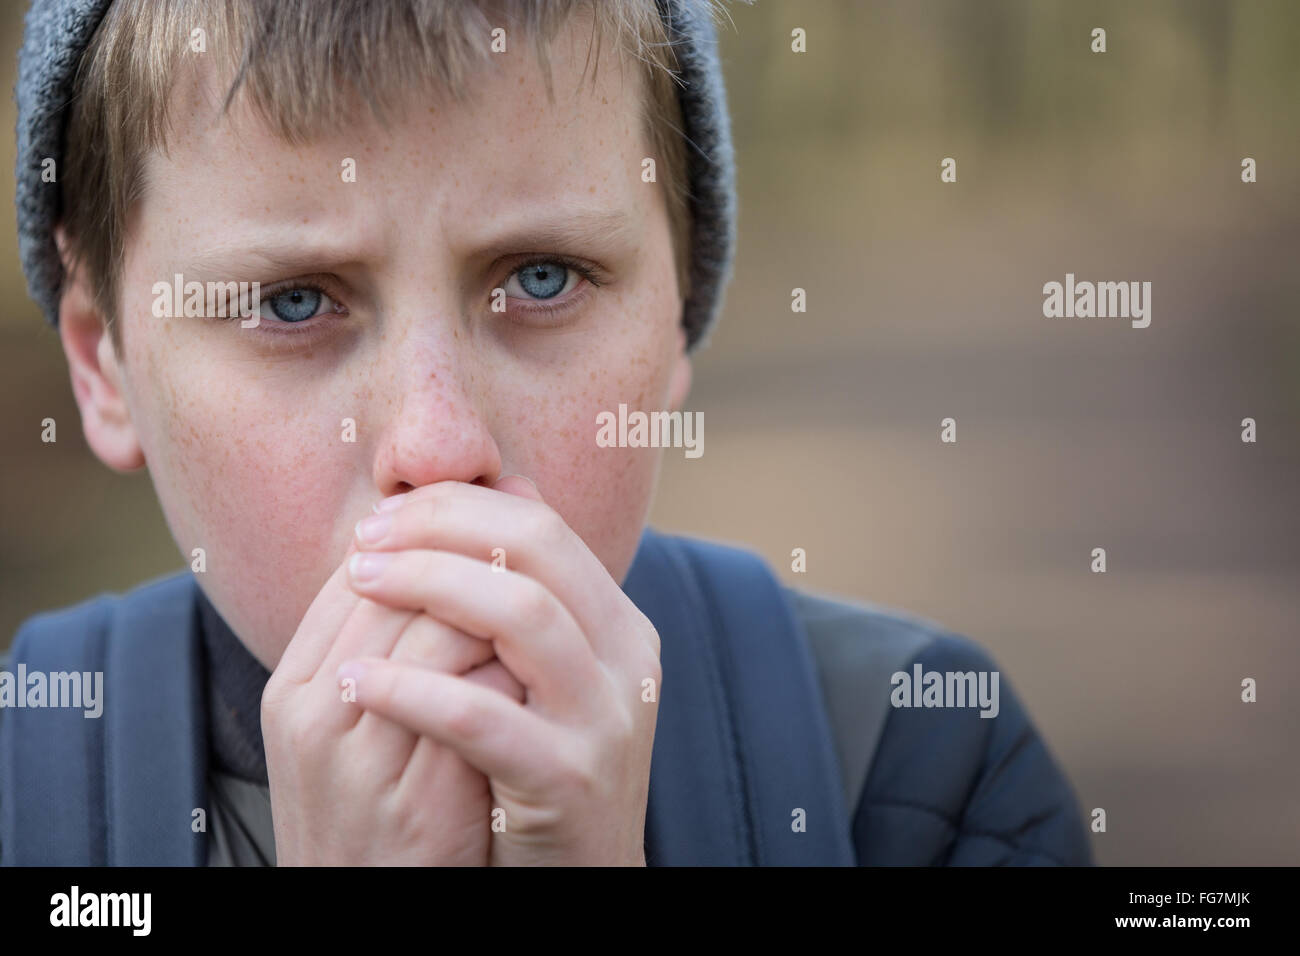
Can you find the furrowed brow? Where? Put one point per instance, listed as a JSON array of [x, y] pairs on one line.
[[592, 229], [256, 258], [574, 228]]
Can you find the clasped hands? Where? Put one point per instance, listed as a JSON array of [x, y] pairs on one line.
[[466, 689]]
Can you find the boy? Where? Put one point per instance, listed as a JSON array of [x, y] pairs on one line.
[[313, 263]]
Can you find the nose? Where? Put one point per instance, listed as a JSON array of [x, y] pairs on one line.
[[439, 429]]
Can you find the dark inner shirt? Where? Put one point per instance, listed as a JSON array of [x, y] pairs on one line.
[[235, 681]]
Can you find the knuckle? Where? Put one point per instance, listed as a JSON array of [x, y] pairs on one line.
[[531, 602], [579, 769], [645, 631], [278, 700], [652, 639], [654, 669], [622, 726], [545, 526]]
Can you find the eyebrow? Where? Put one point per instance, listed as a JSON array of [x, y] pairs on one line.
[[591, 228], [275, 255], [596, 228]]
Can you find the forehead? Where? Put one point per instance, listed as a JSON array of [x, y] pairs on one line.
[[503, 143]]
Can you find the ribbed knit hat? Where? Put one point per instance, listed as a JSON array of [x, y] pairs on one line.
[[57, 32]]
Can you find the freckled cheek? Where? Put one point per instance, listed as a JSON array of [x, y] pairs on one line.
[[261, 496], [615, 492], [602, 493]]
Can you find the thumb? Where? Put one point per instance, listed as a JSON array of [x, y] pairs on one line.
[[518, 485]]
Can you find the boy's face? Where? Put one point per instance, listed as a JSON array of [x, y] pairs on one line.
[[243, 429]]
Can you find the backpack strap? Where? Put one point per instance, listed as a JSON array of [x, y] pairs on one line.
[[858, 648], [743, 770], [51, 764], [119, 789]]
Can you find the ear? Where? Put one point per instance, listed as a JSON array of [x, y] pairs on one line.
[[97, 381], [680, 383]]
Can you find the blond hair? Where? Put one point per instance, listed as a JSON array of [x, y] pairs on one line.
[[298, 62]]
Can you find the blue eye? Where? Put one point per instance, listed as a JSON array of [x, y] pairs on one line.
[[542, 280], [295, 305]]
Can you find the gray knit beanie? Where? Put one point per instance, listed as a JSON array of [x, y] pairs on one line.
[[57, 32]]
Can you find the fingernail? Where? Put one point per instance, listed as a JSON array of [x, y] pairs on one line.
[[515, 474], [391, 502], [351, 670], [368, 566], [372, 530]]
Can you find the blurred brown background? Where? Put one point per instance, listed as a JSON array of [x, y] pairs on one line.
[[925, 301]]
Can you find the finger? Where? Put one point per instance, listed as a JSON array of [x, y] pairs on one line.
[[494, 676], [310, 643], [430, 759], [371, 630], [520, 485], [383, 747], [428, 643], [331, 607], [493, 525], [433, 644], [532, 633], [503, 740], [436, 768]]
